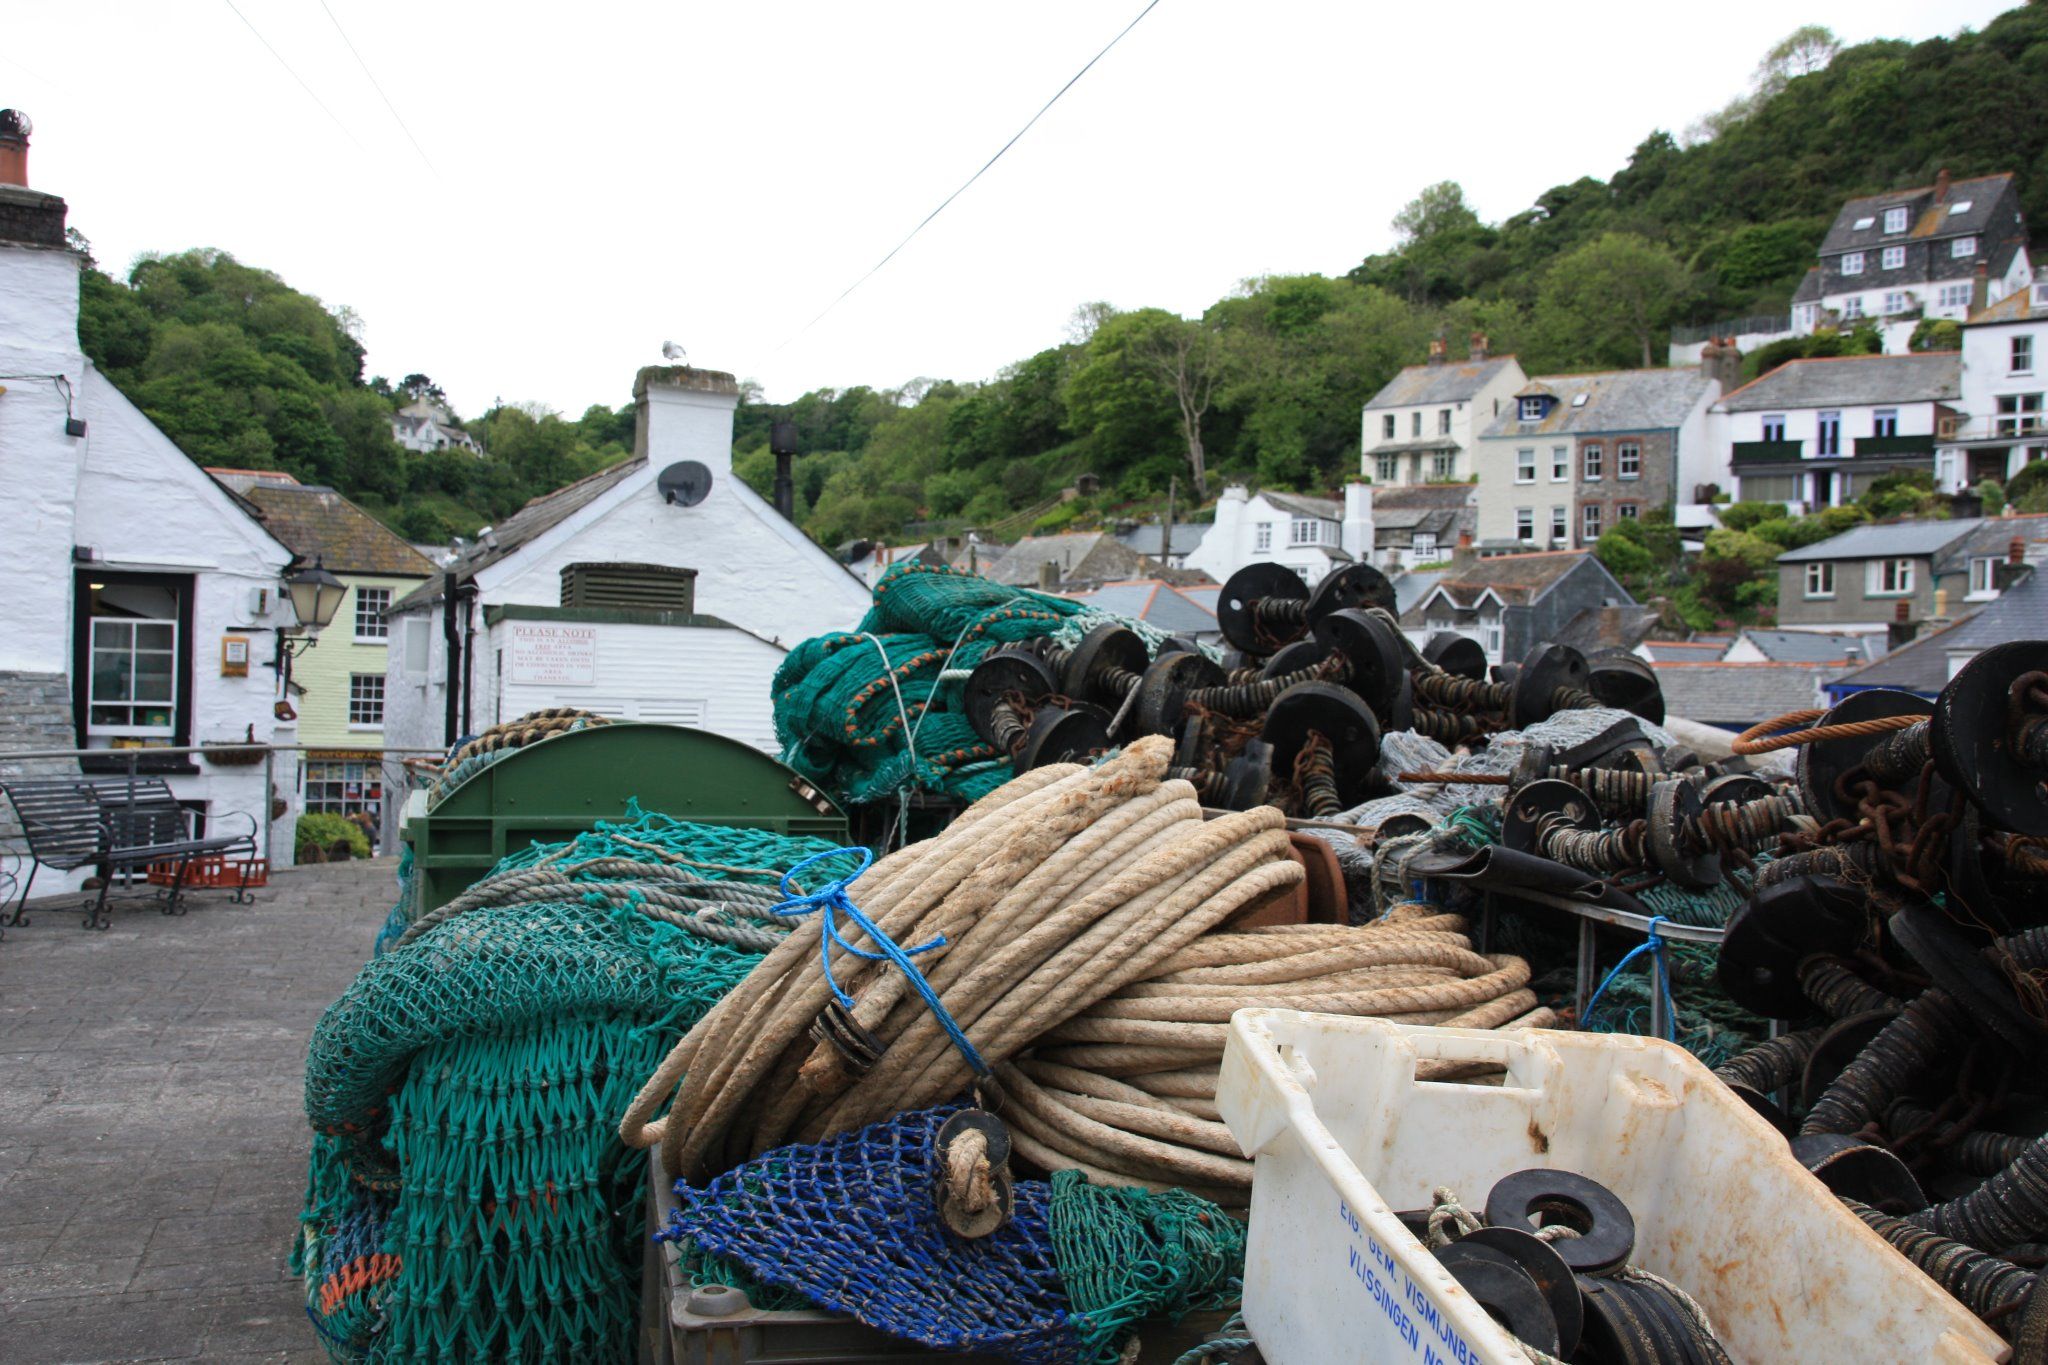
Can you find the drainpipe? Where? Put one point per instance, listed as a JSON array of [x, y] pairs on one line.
[[468, 657], [452, 640]]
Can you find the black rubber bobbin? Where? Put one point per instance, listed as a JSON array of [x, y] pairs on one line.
[[1978, 748], [1956, 961], [1341, 718], [1780, 927], [1247, 776], [1607, 1231], [1859, 1170], [1505, 1290], [1823, 764], [1626, 683], [1619, 1329], [1541, 1263], [1545, 669], [1105, 666], [1734, 789], [1836, 1048], [1062, 735], [1295, 657], [1461, 656], [1675, 802], [1164, 688], [1377, 664], [1001, 674], [1238, 609], [1549, 801], [1982, 885]]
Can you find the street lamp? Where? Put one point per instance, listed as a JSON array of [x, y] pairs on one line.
[[315, 595]]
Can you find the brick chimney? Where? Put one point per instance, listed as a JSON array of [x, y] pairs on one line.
[[1941, 186], [27, 216], [1436, 351], [1902, 628], [1463, 557], [2014, 567], [1479, 345], [1721, 359]]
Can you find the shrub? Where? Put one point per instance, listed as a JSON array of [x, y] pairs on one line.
[[323, 831]]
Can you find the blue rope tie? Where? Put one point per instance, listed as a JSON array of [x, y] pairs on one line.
[[1654, 946], [831, 901]]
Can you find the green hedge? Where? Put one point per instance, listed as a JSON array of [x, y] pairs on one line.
[[326, 830]]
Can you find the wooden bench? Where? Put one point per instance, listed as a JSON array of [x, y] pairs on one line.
[[116, 824]]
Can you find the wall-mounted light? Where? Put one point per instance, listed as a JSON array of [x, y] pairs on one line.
[[314, 595]]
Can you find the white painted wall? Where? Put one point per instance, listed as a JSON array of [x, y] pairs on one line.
[[1233, 542], [131, 496], [1467, 419], [1987, 376]]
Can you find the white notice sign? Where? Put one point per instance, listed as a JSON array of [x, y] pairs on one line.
[[552, 656]]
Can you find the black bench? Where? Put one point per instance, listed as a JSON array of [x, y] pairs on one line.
[[115, 823]]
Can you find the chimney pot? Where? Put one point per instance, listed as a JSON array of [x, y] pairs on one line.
[[1479, 345], [1436, 351], [2015, 552], [14, 130]]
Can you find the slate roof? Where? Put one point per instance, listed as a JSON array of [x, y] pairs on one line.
[[1890, 540], [1816, 647], [1922, 665], [314, 522], [537, 517], [1155, 603], [1515, 579], [1425, 443], [1411, 588], [1301, 505], [1809, 290], [1994, 536], [2018, 306], [1425, 495], [1421, 385], [1736, 696], [1617, 400], [1616, 627], [1851, 381], [1084, 557], [1685, 651], [1183, 539], [1925, 218]]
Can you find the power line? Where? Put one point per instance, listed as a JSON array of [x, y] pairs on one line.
[[295, 76], [380, 90], [970, 179]]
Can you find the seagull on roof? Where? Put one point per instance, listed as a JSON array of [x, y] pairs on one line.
[[671, 351]]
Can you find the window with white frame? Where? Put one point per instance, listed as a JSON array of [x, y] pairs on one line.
[[1386, 468], [1560, 464], [1820, 580], [1525, 465], [1532, 409], [1387, 428], [1262, 537], [1560, 523], [2023, 354], [1628, 460], [1894, 221], [1952, 296], [1805, 316], [1852, 307], [1884, 422], [1984, 576], [133, 690], [1443, 422], [1594, 462], [1423, 546], [1489, 630], [1890, 578], [371, 604], [2018, 413], [1852, 263], [1774, 427], [1415, 422], [1443, 464], [1625, 511], [1830, 442], [1894, 258], [365, 701], [1305, 531], [1525, 524], [1589, 522], [1897, 301], [1963, 246]]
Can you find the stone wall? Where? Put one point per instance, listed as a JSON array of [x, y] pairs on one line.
[[35, 714]]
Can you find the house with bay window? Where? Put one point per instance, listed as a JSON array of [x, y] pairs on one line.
[[140, 602], [1999, 425], [1419, 428], [1817, 433], [1573, 454], [1941, 250]]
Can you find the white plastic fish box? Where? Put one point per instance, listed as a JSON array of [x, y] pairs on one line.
[[1344, 1134]]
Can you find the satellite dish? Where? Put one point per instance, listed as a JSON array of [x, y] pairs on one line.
[[686, 482]]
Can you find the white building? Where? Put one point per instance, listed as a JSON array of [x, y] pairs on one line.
[[1818, 433], [1935, 251], [1999, 426], [1311, 536], [1419, 428], [425, 426], [661, 589], [138, 603]]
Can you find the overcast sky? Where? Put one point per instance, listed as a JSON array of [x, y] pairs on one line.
[[593, 179]]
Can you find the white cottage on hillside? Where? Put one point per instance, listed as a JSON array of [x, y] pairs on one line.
[[1309, 535], [661, 589], [2000, 426], [139, 603]]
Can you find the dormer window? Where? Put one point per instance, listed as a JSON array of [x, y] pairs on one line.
[[1852, 263], [1532, 408], [1895, 220]]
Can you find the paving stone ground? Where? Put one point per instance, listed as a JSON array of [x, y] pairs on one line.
[[152, 1141]]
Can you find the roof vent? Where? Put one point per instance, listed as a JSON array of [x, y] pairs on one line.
[[1578, 400], [630, 587], [1960, 206], [1862, 223]]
